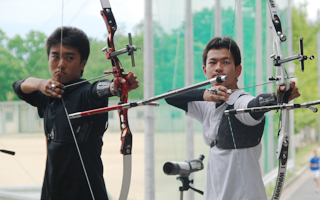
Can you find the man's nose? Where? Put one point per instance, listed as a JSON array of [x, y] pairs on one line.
[[219, 66], [61, 64]]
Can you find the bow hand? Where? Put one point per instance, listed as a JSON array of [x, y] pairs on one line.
[[284, 96], [124, 84]]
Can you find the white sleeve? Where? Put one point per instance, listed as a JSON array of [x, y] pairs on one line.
[[245, 118], [196, 110]]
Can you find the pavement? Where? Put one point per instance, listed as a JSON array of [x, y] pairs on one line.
[[301, 188], [27, 167]]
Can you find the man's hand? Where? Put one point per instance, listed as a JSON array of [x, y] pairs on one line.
[[48, 87], [131, 79], [216, 94], [51, 88], [293, 94]]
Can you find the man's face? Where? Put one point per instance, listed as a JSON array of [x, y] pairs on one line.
[[220, 62], [64, 64]]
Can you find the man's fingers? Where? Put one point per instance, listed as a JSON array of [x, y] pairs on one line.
[[217, 95], [131, 77], [130, 81], [292, 84], [222, 95], [53, 94], [217, 98], [54, 88]]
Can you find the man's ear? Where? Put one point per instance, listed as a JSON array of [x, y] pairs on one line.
[[238, 71], [204, 70], [83, 64]]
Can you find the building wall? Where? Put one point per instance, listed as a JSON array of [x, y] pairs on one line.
[[18, 117]]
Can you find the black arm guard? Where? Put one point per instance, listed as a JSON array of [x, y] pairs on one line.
[[267, 99], [181, 101]]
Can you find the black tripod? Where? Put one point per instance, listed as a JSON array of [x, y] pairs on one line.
[[185, 186]]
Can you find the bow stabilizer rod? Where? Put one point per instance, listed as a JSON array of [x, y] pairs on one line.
[[276, 107]]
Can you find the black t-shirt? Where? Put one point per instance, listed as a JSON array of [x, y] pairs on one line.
[[64, 175]]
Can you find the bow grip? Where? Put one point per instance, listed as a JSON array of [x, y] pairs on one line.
[[283, 96], [127, 86]]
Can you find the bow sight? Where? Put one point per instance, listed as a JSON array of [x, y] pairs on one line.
[[129, 49], [277, 61]]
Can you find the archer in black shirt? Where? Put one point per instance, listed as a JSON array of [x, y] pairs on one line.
[[64, 175]]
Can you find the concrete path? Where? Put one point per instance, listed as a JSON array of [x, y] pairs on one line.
[[302, 188]]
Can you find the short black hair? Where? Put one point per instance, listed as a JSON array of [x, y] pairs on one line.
[[72, 37], [226, 42]]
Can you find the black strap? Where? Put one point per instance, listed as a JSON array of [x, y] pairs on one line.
[[283, 96], [214, 143]]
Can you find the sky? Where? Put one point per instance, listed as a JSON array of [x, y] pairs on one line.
[[21, 16]]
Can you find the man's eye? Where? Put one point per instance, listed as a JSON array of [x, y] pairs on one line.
[[70, 58]]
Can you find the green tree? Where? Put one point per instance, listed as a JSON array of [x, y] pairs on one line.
[[31, 54], [307, 80], [21, 58], [10, 70]]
